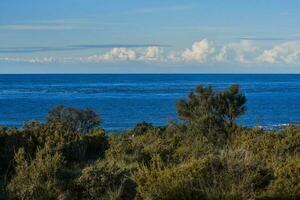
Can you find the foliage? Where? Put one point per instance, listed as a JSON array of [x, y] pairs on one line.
[[212, 113], [36, 179], [208, 156], [183, 181], [100, 179], [10, 141], [74, 120]]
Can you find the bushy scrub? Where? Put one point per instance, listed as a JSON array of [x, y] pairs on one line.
[[196, 179], [204, 155], [36, 179], [103, 179], [96, 143], [214, 177]]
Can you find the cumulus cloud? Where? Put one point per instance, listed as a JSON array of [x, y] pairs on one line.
[[120, 54], [222, 55], [288, 53], [269, 56], [126, 54], [174, 57], [204, 51], [114, 55], [199, 52], [152, 54], [241, 52]]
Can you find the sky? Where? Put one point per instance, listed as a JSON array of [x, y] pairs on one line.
[[157, 36]]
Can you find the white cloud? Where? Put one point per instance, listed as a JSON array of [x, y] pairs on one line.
[[174, 57], [43, 60], [222, 55], [199, 52], [151, 54], [288, 53], [269, 56], [120, 54], [126, 54], [241, 52], [114, 55]]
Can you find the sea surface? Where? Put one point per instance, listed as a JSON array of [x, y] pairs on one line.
[[124, 100]]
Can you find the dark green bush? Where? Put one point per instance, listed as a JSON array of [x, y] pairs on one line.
[[10, 141], [74, 120], [212, 113]]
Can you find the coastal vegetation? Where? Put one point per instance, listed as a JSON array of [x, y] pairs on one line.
[[205, 155]]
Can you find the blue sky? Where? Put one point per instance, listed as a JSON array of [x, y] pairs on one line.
[[135, 36]]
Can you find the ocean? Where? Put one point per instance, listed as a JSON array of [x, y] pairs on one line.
[[124, 100]]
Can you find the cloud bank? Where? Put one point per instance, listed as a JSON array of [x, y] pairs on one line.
[[288, 53], [202, 52]]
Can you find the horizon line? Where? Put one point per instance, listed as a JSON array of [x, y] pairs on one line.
[[145, 73]]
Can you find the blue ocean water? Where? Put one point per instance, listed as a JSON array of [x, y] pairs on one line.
[[124, 100]]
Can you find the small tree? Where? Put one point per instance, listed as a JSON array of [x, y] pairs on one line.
[[81, 121], [212, 112], [231, 104]]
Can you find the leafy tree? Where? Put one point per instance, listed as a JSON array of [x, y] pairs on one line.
[[80, 121], [200, 102], [212, 112], [231, 104]]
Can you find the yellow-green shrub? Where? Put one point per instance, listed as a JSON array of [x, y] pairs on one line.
[[100, 179], [191, 180], [36, 179]]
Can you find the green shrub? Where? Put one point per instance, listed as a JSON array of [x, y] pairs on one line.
[[103, 179], [231, 175], [86, 147], [141, 128], [244, 177], [36, 179], [286, 184], [81, 121], [190, 180], [97, 144]]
